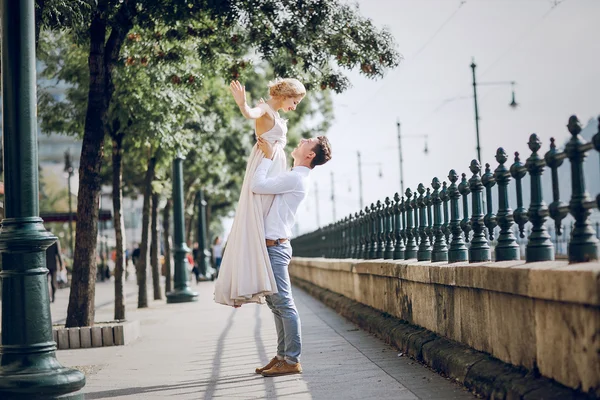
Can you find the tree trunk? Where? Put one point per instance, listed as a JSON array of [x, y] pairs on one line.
[[155, 248], [102, 58], [167, 239], [119, 223], [144, 247]]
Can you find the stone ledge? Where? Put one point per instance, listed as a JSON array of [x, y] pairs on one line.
[[548, 280], [478, 371], [102, 334]]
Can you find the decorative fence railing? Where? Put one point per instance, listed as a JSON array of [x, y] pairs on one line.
[[427, 224]]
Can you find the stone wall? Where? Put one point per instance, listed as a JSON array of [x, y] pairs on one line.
[[542, 316]]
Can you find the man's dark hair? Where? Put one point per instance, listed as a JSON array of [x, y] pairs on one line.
[[322, 152]]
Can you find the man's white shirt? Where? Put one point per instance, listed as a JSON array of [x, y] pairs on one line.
[[290, 189]]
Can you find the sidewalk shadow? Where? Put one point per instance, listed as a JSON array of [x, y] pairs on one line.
[[262, 352], [210, 389]]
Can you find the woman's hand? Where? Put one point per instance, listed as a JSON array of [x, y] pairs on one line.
[[265, 147], [239, 93]]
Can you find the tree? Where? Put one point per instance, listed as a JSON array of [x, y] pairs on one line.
[[311, 38]]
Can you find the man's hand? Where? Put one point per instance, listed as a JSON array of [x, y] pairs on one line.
[[239, 92], [265, 147]]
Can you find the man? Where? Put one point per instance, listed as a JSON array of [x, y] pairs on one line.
[[290, 189], [53, 260]]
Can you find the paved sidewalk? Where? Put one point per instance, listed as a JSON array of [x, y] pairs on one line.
[[203, 351]]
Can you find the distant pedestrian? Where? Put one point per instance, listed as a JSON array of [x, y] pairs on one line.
[[54, 261], [217, 254]]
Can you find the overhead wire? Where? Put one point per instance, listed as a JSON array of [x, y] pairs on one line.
[[525, 33]]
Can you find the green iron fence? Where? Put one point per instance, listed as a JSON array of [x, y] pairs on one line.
[[426, 224]]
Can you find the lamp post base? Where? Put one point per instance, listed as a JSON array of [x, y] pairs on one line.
[[52, 381], [185, 295]]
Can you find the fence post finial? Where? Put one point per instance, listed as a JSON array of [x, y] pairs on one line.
[[440, 251]]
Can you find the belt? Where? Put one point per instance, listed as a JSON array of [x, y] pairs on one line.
[[271, 243]]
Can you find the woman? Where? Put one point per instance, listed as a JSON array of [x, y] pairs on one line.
[[245, 275]]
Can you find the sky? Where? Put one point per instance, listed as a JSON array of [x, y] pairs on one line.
[[551, 49]]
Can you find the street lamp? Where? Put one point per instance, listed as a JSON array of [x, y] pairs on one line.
[[513, 104], [69, 172]]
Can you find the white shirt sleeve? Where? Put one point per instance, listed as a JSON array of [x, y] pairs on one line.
[[282, 183]]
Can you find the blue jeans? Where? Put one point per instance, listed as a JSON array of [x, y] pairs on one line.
[[287, 320]]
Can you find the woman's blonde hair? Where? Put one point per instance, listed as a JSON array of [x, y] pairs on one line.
[[287, 87]]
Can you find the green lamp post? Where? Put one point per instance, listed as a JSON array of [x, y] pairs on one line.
[[28, 364], [182, 292]]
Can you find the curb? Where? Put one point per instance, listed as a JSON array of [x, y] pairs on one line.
[[479, 372], [102, 334]]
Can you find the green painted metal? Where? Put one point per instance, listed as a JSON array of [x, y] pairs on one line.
[[372, 231], [379, 235], [28, 364], [583, 246], [518, 171], [440, 250], [557, 209], [364, 216], [480, 249], [539, 247], [429, 206], [399, 241], [458, 249], [424, 253], [507, 247], [445, 200], [181, 292], [489, 182], [464, 190], [388, 252], [415, 208], [411, 244]]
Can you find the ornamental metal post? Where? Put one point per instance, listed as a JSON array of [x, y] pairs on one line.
[[464, 190], [379, 234], [518, 171], [424, 253], [411, 245], [181, 292], [398, 210], [388, 252], [583, 246], [440, 251], [445, 199], [28, 364], [539, 247], [372, 215], [489, 182], [507, 247], [480, 249], [458, 248]]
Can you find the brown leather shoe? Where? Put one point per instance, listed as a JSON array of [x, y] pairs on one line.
[[283, 368], [271, 363]]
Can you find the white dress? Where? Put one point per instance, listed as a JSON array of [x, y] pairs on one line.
[[246, 275]]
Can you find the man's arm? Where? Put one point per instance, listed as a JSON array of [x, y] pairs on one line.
[[282, 183]]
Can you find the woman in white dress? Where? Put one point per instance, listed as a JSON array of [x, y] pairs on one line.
[[246, 275]]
